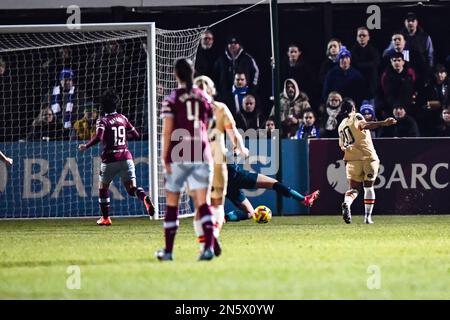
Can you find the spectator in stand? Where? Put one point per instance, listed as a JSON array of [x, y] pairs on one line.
[[270, 127], [368, 112], [238, 91], [366, 59], [206, 55], [249, 117], [397, 83], [345, 79], [84, 129], [63, 98], [45, 127], [406, 125], [292, 104], [307, 129], [330, 112], [333, 48], [436, 97], [410, 55], [234, 58], [418, 39], [444, 128], [295, 67]]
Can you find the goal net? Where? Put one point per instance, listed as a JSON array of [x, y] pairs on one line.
[[51, 80]]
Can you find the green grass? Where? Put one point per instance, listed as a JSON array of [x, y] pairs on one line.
[[307, 257]]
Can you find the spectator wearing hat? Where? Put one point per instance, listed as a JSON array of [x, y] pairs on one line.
[[345, 79], [235, 58], [418, 39], [406, 125], [293, 103], [366, 59], [63, 97], [206, 55], [368, 112], [84, 128], [397, 83]]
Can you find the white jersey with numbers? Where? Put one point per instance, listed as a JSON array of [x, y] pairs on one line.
[[357, 143]]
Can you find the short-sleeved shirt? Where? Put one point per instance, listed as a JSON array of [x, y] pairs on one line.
[[115, 145], [357, 143], [191, 112]]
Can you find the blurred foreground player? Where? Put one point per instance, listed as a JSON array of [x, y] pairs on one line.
[[361, 160], [186, 156], [114, 130]]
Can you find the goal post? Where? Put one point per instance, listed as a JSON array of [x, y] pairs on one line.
[[50, 178]]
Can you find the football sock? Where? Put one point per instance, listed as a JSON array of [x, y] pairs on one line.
[[170, 227], [236, 215], [287, 192], [219, 216], [350, 195], [369, 200], [198, 228], [137, 192], [104, 200], [207, 224]]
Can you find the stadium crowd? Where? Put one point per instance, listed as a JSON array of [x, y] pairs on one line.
[[50, 94]]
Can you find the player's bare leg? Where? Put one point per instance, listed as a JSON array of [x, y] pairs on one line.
[[369, 201], [266, 182], [104, 202], [139, 192], [218, 212], [170, 226], [350, 196]]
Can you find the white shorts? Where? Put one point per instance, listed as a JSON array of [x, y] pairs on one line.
[[125, 169], [196, 175]]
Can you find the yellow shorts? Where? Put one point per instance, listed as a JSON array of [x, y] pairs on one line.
[[220, 181], [360, 171]]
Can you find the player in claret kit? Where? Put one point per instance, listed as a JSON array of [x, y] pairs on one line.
[[114, 130], [186, 156]]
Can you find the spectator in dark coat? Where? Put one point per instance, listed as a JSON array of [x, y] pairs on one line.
[[397, 83], [249, 117], [234, 59], [444, 128], [45, 127], [345, 79], [206, 55], [366, 59], [406, 125], [330, 112], [333, 48]]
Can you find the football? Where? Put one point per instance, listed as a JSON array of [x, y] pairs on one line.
[[262, 214]]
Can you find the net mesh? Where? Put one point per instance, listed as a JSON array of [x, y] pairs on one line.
[[50, 85]]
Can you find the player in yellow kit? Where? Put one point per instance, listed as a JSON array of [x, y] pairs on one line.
[[361, 159], [223, 122]]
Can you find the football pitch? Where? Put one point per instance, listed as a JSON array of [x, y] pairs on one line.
[[302, 257]]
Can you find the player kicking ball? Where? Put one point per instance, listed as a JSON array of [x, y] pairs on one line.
[[361, 160], [239, 179], [114, 130]]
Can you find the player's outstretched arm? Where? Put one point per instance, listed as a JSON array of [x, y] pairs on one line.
[[8, 161], [237, 140], [376, 124]]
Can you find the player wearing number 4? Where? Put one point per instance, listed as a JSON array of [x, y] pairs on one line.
[[361, 159], [114, 130], [186, 156]]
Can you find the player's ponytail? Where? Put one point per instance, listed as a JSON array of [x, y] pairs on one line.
[[185, 72], [347, 106]]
